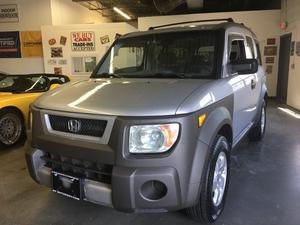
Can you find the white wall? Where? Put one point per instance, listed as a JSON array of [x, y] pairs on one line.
[[263, 23], [35, 13], [69, 12], [290, 13], [32, 14]]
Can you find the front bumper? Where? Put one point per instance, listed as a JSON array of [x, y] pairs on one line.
[[165, 182], [126, 192]]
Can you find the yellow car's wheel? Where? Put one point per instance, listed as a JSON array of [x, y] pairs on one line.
[[11, 127]]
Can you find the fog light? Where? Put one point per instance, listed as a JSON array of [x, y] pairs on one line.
[[154, 190]]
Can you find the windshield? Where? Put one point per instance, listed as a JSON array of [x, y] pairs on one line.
[[23, 84], [190, 54]]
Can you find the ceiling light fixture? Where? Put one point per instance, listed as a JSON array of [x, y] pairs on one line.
[[122, 13]]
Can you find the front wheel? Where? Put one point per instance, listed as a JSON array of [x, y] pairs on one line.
[[215, 182], [11, 128], [257, 132]]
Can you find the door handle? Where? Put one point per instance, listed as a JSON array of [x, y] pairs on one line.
[[253, 84]]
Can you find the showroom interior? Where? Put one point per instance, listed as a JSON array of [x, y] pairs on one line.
[[63, 48]]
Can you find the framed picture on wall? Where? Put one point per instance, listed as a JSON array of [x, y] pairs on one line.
[[271, 41], [56, 52], [270, 50], [270, 60], [298, 48], [269, 69], [83, 65], [58, 70], [292, 48]]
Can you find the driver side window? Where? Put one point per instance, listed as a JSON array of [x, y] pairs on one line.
[[236, 50]]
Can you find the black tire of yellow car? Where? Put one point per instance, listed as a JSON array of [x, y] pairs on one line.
[[205, 211], [18, 116]]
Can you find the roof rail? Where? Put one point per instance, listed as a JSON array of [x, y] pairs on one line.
[[195, 21]]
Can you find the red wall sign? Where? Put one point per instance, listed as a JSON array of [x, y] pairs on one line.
[[83, 41]]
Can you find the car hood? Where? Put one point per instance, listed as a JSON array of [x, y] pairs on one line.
[[121, 97]]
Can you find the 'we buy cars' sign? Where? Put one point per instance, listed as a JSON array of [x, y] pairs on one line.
[[83, 41]]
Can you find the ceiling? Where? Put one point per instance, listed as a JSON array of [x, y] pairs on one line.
[[140, 8]]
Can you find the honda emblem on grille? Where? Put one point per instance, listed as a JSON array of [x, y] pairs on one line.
[[74, 126]]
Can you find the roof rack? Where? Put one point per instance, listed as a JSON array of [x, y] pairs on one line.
[[195, 21]]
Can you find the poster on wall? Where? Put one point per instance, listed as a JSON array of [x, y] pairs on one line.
[[10, 45], [104, 39], [83, 41], [57, 70], [271, 41], [270, 50], [269, 69], [83, 65], [292, 48], [298, 48], [9, 13], [89, 64], [51, 62], [270, 60], [62, 62], [56, 52], [63, 40], [52, 41], [31, 44]]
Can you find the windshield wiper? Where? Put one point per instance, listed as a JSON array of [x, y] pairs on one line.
[[167, 75], [110, 75]]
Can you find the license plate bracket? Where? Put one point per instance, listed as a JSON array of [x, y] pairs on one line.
[[67, 185]]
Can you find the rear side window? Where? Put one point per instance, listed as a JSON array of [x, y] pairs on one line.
[[250, 53], [258, 53], [237, 51]]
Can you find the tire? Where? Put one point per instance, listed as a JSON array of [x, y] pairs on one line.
[[11, 128], [257, 132], [209, 207]]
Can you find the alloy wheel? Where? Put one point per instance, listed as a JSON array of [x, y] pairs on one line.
[[10, 129], [219, 179]]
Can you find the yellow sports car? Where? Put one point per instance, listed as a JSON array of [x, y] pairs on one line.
[[17, 92]]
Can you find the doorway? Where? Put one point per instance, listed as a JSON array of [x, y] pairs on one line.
[[283, 67]]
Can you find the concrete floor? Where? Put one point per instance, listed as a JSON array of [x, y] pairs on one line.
[[264, 188]]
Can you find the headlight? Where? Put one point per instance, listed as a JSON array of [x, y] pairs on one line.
[[152, 138]]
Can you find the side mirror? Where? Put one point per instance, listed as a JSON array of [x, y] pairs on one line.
[[247, 66], [53, 86]]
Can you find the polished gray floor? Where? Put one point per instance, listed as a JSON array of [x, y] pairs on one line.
[[264, 188]]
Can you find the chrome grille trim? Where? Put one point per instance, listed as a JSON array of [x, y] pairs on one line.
[[101, 140]]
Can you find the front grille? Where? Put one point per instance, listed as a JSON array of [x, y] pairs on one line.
[[88, 127], [79, 168]]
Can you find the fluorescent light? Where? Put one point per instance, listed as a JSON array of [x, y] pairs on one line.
[[290, 112], [122, 13]]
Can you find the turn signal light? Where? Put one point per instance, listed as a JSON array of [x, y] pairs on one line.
[[201, 120]]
